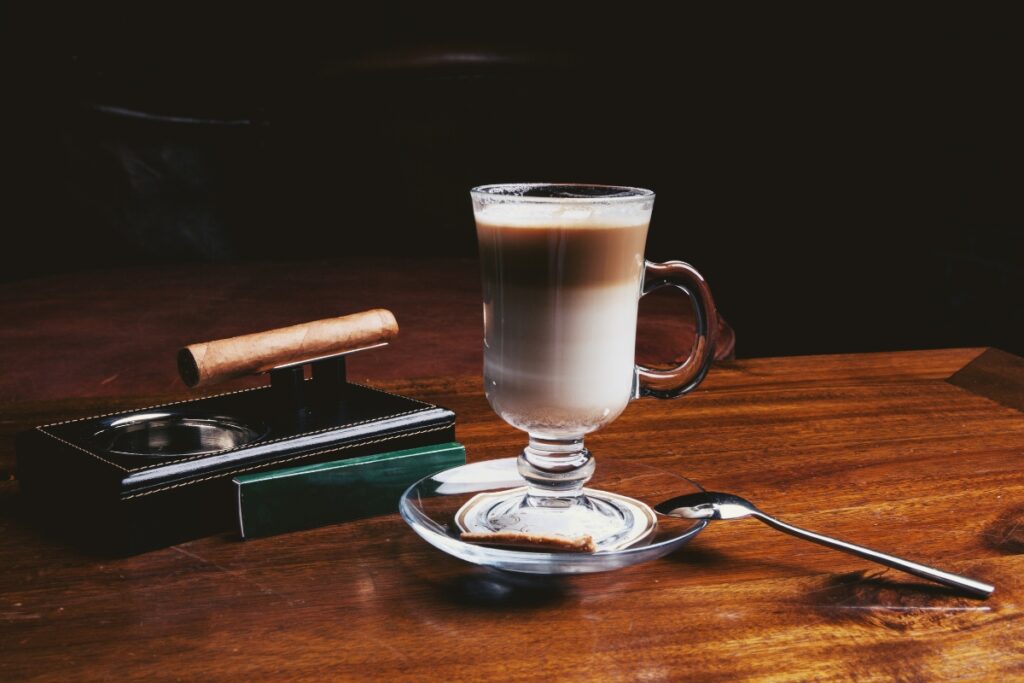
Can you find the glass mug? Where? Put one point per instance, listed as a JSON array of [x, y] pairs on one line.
[[563, 271]]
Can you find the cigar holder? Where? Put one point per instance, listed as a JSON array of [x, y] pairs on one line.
[[161, 474]]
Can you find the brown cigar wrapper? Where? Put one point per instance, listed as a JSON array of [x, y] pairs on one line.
[[215, 361]]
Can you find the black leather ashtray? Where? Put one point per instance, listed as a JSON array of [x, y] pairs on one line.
[[161, 474]]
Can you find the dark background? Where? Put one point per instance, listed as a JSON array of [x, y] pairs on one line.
[[846, 183]]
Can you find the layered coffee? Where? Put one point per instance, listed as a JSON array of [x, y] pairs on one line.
[[560, 285]]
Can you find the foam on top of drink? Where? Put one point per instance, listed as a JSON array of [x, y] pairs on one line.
[[567, 215]]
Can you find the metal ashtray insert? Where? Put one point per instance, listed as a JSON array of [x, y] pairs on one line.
[[168, 435]]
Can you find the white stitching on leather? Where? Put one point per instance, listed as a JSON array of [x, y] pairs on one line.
[[42, 429], [278, 462], [278, 440], [408, 398], [79, 448]]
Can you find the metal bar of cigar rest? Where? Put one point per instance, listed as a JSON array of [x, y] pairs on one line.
[[155, 476]]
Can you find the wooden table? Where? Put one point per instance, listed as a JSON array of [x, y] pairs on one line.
[[916, 453]]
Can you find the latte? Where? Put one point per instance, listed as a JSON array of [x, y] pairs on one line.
[[560, 285]]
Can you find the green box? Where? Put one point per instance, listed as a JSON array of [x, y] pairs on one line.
[[314, 495]]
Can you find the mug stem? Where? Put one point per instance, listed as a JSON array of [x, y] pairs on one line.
[[555, 468]]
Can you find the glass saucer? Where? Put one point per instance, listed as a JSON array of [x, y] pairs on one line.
[[432, 506]]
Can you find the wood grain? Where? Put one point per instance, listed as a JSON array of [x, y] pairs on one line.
[[877, 448]]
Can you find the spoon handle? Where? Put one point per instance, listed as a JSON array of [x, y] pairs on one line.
[[977, 588]]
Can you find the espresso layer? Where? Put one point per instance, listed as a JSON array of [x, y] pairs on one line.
[[544, 256]]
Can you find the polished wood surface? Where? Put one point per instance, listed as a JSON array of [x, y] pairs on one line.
[[914, 453]]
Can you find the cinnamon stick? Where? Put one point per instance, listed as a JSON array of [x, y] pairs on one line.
[[514, 539]]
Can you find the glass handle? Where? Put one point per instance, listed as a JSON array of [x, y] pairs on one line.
[[685, 377]]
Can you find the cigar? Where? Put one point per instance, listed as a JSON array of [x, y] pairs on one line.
[[214, 361]]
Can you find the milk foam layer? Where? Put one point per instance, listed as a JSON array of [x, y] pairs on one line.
[[546, 216], [568, 369]]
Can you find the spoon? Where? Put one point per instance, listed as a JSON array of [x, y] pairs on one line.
[[710, 505]]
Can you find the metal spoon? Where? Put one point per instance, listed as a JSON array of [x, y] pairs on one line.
[[710, 505]]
